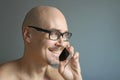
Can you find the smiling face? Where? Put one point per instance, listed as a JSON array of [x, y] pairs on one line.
[[44, 49]]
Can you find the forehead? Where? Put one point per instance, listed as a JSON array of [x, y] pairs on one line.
[[57, 24], [58, 28], [53, 19]]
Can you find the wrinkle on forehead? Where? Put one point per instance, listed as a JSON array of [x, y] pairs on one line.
[[44, 16]]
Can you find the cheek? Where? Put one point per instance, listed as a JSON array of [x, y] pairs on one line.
[[49, 43], [46, 41]]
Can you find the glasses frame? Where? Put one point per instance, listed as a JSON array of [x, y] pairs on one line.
[[50, 31]]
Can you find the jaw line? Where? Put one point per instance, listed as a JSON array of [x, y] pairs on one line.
[[54, 65], [55, 59]]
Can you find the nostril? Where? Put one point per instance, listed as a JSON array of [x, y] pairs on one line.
[[60, 43]]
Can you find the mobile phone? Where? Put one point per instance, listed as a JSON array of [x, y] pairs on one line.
[[64, 54]]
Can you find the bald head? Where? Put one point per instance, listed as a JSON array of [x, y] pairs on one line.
[[43, 16]]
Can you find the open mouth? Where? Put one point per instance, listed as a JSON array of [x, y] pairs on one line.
[[55, 52]]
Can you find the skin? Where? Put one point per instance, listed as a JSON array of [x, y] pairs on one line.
[[40, 53]]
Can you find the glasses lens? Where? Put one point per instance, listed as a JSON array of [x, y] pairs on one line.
[[54, 35], [67, 36]]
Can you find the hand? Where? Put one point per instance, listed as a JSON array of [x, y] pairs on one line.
[[70, 69]]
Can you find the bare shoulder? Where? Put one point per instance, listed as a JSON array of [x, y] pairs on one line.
[[8, 70]]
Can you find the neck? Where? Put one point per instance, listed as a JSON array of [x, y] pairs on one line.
[[30, 61], [42, 71], [33, 69], [34, 65]]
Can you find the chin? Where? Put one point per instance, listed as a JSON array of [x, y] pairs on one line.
[[54, 63]]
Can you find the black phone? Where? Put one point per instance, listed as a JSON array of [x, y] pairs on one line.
[[64, 54]]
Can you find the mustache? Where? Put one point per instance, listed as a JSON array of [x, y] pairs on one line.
[[57, 48]]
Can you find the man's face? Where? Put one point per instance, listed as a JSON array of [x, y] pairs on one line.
[[49, 50]]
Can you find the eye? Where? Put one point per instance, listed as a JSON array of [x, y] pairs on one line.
[[67, 35], [54, 35]]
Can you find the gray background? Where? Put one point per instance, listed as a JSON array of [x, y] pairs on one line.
[[95, 25]]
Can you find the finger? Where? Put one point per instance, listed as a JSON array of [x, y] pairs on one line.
[[75, 61], [76, 56], [61, 66], [71, 50]]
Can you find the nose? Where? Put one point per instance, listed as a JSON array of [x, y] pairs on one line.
[[60, 42]]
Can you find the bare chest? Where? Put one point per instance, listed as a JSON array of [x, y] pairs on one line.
[[33, 78]]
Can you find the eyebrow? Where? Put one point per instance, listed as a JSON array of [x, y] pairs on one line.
[[47, 30], [40, 29], [53, 29]]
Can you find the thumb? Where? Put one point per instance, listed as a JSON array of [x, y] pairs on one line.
[[61, 66]]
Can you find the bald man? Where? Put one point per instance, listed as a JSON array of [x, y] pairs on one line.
[[45, 35]]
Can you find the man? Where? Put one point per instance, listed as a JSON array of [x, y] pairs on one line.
[[45, 35]]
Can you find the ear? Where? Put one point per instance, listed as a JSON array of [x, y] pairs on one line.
[[26, 34]]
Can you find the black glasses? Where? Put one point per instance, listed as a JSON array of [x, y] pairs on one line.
[[54, 34]]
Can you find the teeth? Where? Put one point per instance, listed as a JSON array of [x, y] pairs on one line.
[[55, 49]]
